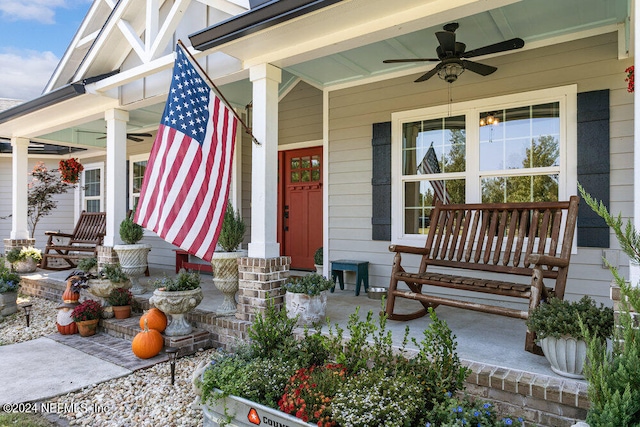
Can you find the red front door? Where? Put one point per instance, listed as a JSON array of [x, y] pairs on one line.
[[301, 205]]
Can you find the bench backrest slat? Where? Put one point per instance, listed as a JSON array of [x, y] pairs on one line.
[[500, 237], [91, 228]]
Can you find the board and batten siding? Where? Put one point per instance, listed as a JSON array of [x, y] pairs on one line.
[[591, 63]]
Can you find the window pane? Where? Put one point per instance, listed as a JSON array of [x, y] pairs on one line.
[[434, 146], [295, 177], [93, 206], [295, 163], [315, 161], [306, 162], [536, 188], [315, 175], [420, 197], [305, 176], [524, 137], [92, 182], [139, 169]]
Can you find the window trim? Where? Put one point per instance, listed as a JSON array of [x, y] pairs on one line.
[[565, 95], [88, 167]]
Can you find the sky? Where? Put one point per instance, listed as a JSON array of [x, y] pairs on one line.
[[34, 35]]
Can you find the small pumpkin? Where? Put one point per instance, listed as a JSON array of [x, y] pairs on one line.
[[156, 318], [147, 343]]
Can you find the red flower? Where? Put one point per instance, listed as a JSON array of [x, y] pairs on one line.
[[70, 170], [630, 79]]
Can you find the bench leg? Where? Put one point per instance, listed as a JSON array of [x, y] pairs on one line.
[[537, 287], [339, 274], [393, 291]]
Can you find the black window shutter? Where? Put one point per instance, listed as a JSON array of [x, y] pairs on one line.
[[593, 165], [381, 182]]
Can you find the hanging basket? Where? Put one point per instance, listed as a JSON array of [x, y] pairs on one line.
[[70, 170]]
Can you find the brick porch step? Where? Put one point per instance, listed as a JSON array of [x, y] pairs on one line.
[[129, 328]]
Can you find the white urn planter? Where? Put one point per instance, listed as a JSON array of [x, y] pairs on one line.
[[28, 265], [311, 308], [177, 304], [8, 303], [566, 355], [134, 262], [225, 278]]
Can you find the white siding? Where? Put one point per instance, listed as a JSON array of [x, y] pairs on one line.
[[591, 63]]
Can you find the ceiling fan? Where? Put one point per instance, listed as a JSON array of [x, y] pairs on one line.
[[136, 137], [451, 55]]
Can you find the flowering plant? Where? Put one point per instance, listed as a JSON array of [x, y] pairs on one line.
[[309, 391], [9, 282], [16, 254], [629, 79], [87, 310], [311, 284], [120, 297], [70, 170], [454, 412]]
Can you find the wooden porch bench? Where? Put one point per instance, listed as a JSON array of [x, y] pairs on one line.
[[86, 237], [512, 239]]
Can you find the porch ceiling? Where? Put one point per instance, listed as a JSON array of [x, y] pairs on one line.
[[345, 43]]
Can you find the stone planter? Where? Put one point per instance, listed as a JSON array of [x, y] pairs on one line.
[[245, 413], [134, 263], [310, 308], [176, 304], [8, 303], [28, 265], [319, 268], [566, 355], [225, 278], [100, 289]]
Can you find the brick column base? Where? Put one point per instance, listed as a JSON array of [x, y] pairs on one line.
[[106, 255], [17, 243], [260, 277]]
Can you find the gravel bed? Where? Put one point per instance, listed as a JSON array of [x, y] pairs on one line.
[[143, 398], [42, 321]]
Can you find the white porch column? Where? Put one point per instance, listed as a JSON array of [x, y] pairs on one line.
[[20, 182], [116, 171], [264, 162], [634, 269]]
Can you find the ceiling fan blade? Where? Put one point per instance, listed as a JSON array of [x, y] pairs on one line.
[[430, 73], [447, 41], [476, 67], [144, 135], [135, 139], [396, 61], [512, 44]]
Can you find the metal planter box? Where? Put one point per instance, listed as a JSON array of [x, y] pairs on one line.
[[246, 413]]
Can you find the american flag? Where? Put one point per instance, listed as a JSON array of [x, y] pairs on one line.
[[429, 165], [186, 183]]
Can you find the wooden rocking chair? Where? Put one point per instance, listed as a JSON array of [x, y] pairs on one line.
[[86, 238]]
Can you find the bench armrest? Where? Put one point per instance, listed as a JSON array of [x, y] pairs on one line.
[[552, 261], [409, 249], [57, 234]]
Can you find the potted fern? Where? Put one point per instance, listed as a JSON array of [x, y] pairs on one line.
[[133, 256], [306, 298], [225, 262], [24, 260]]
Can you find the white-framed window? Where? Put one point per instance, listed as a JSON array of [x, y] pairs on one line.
[[92, 188], [137, 168], [511, 148]]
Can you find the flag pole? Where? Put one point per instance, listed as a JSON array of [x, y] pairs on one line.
[[204, 73]]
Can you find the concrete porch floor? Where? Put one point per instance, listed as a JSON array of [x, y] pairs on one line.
[[481, 337]]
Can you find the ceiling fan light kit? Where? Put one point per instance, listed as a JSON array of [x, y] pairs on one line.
[[451, 53]]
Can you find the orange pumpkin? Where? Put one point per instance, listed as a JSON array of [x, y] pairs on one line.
[[147, 343], [157, 320]]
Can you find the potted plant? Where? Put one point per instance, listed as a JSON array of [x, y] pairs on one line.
[[109, 277], [133, 256], [9, 285], [120, 300], [176, 297], [88, 265], [87, 315], [306, 298], [24, 260], [559, 324], [318, 260], [225, 262]]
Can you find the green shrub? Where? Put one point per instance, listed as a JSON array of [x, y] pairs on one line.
[[318, 256], [130, 232], [184, 281], [232, 231], [311, 284], [113, 273]]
